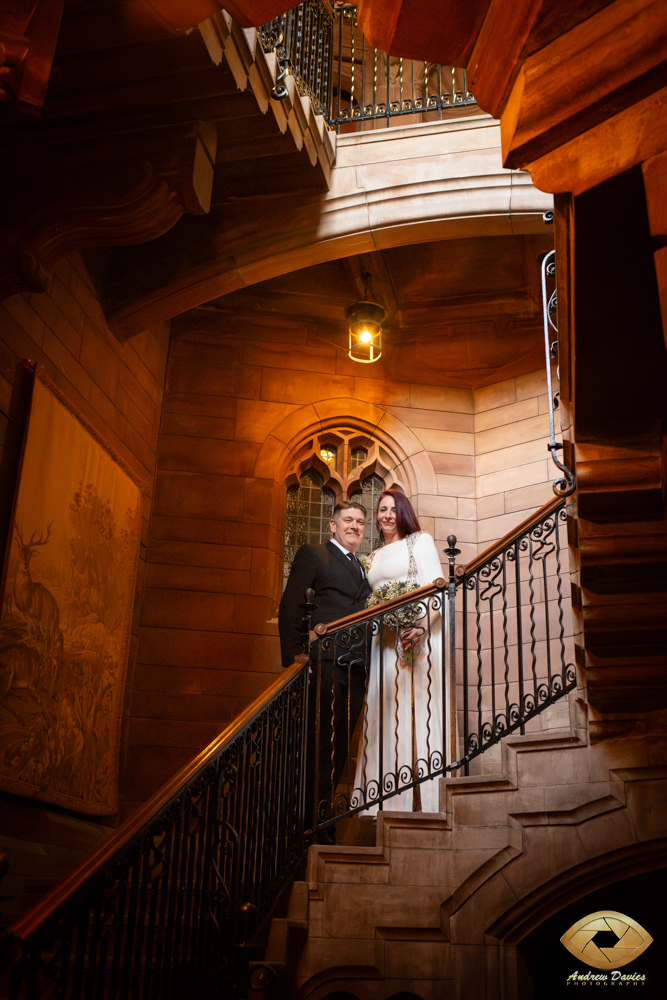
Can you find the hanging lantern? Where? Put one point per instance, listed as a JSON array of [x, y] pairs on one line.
[[365, 321]]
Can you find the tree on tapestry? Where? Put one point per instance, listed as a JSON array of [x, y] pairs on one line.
[[67, 600]]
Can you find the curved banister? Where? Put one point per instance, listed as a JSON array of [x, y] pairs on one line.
[[368, 613], [461, 571], [47, 906], [226, 832], [146, 814], [498, 547]]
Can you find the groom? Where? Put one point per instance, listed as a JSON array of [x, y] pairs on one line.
[[341, 588]]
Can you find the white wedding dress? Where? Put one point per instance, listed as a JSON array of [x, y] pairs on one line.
[[408, 690]]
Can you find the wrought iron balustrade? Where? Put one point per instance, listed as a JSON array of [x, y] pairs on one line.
[[516, 646], [370, 85], [460, 689], [348, 80], [302, 40], [170, 904]]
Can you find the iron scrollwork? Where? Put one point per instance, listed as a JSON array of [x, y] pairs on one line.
[[177, 908], [516, 583], [563, 486], [189, 890]]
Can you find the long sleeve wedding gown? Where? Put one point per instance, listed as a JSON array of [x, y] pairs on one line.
[[389, 756]]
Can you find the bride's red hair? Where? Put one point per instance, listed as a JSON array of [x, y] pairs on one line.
[[406, 519]]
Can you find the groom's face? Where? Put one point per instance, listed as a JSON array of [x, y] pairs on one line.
[[348, 528]]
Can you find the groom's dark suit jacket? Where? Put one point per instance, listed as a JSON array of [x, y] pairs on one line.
[[338, 592]]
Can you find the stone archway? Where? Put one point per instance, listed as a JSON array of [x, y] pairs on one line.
[[406, 460], [394, 452], [560, 857], [545, 966]]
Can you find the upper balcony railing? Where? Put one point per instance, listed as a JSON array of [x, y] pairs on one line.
[[351, 83], [173, 902]]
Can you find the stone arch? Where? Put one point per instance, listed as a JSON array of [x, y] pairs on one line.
[[518, 889], [367, 208], [288, 450], [287, 443], [524, 917]]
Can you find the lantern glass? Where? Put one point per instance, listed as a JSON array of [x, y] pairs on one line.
[[365, 328]]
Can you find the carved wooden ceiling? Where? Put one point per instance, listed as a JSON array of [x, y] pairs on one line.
[[461, 312]]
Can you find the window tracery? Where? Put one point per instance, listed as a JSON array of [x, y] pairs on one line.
[[308, 511], [368, 497], [330, 467]]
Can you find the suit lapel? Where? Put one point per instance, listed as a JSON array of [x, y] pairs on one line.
[[344, 560], [362, 586], [351, 570]]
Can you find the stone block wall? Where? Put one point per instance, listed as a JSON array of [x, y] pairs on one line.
[[238, 406], [513, 470], [118, 388]]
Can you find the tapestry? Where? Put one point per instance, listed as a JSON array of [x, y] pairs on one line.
[[67, 595]]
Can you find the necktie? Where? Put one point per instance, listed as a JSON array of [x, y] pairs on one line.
[[357, 566]]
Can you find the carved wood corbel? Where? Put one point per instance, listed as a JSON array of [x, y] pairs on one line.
[[109, 203]]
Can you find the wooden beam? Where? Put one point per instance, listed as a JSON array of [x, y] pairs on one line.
[[602, 66], [28, 36], [382, 284], [608, 149], [443, 32], [465, 308], [498, 49]]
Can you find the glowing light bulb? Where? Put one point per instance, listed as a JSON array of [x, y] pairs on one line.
[[365, 337]]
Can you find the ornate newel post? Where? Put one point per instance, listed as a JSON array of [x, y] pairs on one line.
[[451, 552]]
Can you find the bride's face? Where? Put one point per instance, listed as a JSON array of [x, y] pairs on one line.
[[387, 515]]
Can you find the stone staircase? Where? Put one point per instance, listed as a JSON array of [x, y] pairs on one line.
[[440, 893]]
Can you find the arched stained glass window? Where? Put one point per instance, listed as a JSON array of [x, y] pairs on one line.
[[371, 488], [357, 458], [329, 455], [309, 510]]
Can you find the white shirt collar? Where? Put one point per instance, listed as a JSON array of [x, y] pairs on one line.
[[342, 548]]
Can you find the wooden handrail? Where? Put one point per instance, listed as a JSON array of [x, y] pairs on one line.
[[493, 550], [30, 922], [431, 588], [368, 613]]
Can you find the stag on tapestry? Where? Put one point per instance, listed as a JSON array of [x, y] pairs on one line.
[[67, 600]]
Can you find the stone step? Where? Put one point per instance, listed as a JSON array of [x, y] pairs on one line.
[[396, 912]]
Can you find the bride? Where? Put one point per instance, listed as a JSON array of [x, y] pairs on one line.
[[405, 672]]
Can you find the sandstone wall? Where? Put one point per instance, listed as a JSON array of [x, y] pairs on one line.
[[237, 404]]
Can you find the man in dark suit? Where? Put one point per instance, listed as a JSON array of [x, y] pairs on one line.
[[336, 576]]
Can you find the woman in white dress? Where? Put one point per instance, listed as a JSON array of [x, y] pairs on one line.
[[405, 673]]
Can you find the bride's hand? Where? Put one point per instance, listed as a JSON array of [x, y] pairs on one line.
[[411, 636]]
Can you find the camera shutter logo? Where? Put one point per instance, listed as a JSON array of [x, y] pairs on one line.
[[632, 939]]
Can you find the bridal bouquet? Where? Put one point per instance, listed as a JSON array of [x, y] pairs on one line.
[[405, 616]]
